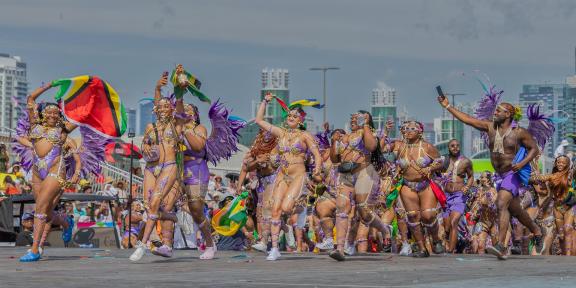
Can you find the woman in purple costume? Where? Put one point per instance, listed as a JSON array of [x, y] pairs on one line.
[[197, 175], [358, 180], [258, 159], [160, 145], [47, 136], [417, 160], [290, 182]]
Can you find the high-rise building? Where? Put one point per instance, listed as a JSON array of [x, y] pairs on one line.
[[551, 98], [383, 108], [447, 128], [13, 89], [131, 120], [144, 115], [569, 106], [274, 81]]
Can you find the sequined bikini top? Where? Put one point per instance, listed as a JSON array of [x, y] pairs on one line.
[[52, 134], [421, 161], [292, 144], [154, 137], [357, 144]]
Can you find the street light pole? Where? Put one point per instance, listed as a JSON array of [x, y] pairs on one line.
[[131, 135], [324, 69]]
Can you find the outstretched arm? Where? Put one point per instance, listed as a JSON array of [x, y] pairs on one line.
[[260, 118], [467, 119]]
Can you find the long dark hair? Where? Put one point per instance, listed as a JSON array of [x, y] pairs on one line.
[[376, 158]]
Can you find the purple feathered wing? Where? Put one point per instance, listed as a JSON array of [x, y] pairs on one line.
[[91, 153], [24, 153], [223, 140], [487, 105], [540, 126]]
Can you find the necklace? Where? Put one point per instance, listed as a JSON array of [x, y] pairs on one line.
[[499, 140], [413, 145]]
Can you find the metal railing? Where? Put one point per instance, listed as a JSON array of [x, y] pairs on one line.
[[6, 135], [111, 175]]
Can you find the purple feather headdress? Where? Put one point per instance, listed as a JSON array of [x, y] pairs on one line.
[[487, 105]]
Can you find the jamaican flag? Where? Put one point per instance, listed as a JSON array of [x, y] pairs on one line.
[[90, 101], [232, 217], [193, 86]]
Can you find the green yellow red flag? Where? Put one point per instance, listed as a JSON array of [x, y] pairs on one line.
[[91, 102]]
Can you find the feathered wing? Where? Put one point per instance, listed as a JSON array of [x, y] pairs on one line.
[[24, 153], [487, 105], [540, 126], [223, 140], [92, 151]]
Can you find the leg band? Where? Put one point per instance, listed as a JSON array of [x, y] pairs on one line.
[[430, 225], [414, 224]]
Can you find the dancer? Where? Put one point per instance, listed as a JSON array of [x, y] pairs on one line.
[[161, 146], [293, 144], [43, 145], [457, 179], [326, 204], [201, 149], [258, 159], [358, 179], [484, 212], [505, 140], [559, 182], [417, 160]]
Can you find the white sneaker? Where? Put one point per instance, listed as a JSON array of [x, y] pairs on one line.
[[290, 240], [327, 244], [209, 253], [139, 252], [349, 250], [273, 255], [260, 246], [406, 249]]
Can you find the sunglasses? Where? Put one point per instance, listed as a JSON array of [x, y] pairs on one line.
[[413, 129]]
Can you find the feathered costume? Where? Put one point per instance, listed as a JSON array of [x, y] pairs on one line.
[[223, 140], [540, 126], [91, 151]]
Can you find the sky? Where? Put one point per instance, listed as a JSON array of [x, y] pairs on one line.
[[410, 45]]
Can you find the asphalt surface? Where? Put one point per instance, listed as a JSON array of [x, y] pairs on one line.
[[75, 267]]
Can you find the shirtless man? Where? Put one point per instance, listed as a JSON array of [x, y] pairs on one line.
[[504, 141], [457, 179]]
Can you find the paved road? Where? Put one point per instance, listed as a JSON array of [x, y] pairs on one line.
[[111, 268]]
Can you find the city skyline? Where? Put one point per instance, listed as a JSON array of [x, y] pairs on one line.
[[412, 46]]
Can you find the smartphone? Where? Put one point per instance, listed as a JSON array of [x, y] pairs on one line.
[[360, 120], [439, 91]]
